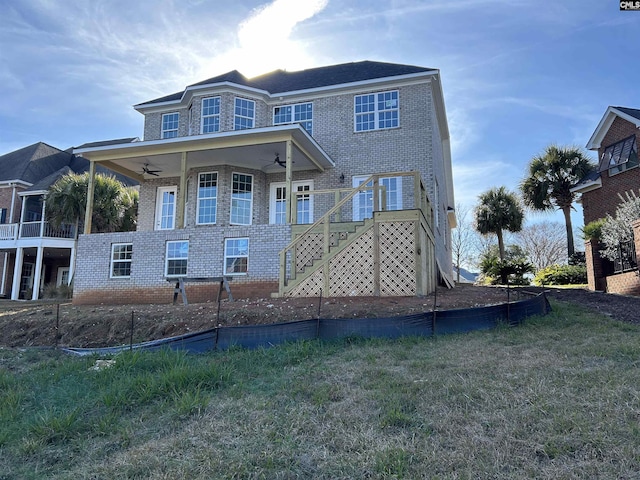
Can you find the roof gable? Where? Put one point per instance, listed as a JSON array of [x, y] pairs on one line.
[[32, 163], [631, 115]]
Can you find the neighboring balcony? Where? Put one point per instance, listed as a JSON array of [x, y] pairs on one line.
[[12, 232]]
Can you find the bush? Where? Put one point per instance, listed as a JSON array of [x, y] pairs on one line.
[[593, 230], [561, 275]]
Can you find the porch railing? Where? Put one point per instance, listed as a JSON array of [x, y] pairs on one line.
[[371, 184], [13, 231]]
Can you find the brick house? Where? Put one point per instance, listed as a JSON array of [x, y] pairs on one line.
[[33, 252], [333, 181], [615, 140]]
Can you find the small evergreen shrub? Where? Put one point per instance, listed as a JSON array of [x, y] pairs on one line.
[[561, 275], [593, 230]]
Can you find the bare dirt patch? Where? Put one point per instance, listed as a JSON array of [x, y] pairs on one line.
[[34, 323]]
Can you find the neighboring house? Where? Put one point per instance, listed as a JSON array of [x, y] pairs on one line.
[[33, 252], [465, 275], [616, 141], [218, 163]]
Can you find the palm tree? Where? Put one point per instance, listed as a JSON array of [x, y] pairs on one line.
[[115, 206], [550, 177], [498, 210]]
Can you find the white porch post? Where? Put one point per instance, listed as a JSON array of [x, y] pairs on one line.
[[88, 213], [38, 273], [72, 262], [44, 203], [13, 202], [17, 273], [289, 183], [182, 192], [4, 274]]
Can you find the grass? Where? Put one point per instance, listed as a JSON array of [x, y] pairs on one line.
[[556, 398]]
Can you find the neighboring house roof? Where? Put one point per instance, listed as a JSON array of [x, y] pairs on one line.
[[465, 275], [32, 163], [105, 143], [631, 115], [280, 81], [41, 165]]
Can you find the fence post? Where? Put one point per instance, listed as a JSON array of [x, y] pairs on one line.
[[57, 331], [131, 332]]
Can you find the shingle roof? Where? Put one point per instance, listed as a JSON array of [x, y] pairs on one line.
[[32, 163], [629, 111], [106, 143], [280, 81]]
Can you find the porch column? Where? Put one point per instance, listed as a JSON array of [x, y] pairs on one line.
[[13, 202], [72, 262], [289, 183], [17, 273], [88, 213], [37, 274], [182, 192], [44, 203], [4, 274]]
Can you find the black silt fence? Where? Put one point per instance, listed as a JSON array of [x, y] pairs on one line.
[[425, 324]]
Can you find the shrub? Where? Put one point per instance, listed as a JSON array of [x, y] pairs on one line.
[[593, 230], [561, 275]]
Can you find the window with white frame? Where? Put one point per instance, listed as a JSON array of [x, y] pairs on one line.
[[210, 115], [244, 114], [176, 258], [376, 111], [241, 198], [170, 125], [620, 156], [207, 198], [363, 200], [278, 203], [236, 256], [121, 254], [301, 113]]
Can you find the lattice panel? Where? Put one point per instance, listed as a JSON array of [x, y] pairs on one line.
[[397, 259], [308, 250], [351, 272], [310, 287]]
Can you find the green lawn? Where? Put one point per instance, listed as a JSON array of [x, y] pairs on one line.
[[556, 398]]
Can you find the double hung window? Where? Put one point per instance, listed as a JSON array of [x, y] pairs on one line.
[[301, 113], [176, 258], [121, 254], [241, 198], [210, 115], [170, 123], [244, 114], [376, 111], [236, 256], [207, 198], [363, 201]]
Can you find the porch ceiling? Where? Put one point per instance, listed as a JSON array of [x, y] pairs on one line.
[[254, 149]]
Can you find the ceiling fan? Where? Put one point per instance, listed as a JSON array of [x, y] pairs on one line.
[[282, 163], [145, 169]]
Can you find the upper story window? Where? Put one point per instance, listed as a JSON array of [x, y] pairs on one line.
[[301, 113], [207, 198], [375, 111], [620, 156], [170, 125], [241, 199], [244, 114], [210, 115]]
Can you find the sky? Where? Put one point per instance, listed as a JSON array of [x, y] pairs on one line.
[[517, 75]]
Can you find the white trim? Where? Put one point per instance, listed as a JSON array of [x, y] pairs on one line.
[[167, 258], [250, 200], [235, 115], [272, 198], [60, 274], [198, 199], [157, 225], [120, 260], [225, 256], [587, 186]]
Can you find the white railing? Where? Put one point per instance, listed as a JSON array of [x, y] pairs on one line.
[[8, 231]]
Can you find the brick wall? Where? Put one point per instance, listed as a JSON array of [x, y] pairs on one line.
[[147, 283], [597, 203]]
